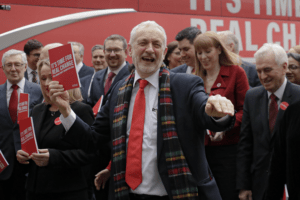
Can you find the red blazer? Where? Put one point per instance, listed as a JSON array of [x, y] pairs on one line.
[[231, 83]]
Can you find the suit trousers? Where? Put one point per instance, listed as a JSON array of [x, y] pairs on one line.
[[14, 187], [222, 162]]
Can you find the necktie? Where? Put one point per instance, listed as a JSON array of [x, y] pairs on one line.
[[34, 79], [133, 174], [273, 110], [108, 82], [13, 103]]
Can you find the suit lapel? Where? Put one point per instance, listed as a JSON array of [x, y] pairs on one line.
[[264, 103], [38, 122], [3, 106], [102, 80]]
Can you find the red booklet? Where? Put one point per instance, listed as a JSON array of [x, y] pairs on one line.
[[3, 162], [23, 107], [63, 68], [27, 134], [98, 105]]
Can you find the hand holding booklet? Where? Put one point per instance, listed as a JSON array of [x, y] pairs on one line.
[[63, 66], [27, 134]]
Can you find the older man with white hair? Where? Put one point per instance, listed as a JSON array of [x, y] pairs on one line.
[[156, 121], [14, 64], [263, 110], [232, 43]]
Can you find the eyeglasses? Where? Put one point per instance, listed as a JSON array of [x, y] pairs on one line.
[[293, 67], [37, 55], [17, 65], [116, 51]]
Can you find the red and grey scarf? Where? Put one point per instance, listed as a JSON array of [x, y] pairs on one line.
[[182, 183]]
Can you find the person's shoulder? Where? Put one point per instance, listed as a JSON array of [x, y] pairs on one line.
[[256, 91], [248, 64], [78, 105], [38, 108], [184, 79], [294, 87], [180, 68], [99, 73]]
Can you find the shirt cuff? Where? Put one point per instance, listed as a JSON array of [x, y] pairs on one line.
[[68, 121], [223, 120]]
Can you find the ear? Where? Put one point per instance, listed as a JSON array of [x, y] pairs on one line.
[[128, 51], [166, 49], [219, 50], [285, 67]]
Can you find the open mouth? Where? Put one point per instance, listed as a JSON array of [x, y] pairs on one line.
[[148, 59]]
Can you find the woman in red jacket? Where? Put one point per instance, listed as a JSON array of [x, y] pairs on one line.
[[218, 67]]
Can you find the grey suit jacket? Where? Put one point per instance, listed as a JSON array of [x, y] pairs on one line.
[[9, 132]]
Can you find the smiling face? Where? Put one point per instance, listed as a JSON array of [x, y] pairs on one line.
[[175, 59], [270, 74], [33, 58], [115, 55], [209, 57], [98, 60], [45, 78], [187, 51], [14, 68], [148, 50], [293, 71]]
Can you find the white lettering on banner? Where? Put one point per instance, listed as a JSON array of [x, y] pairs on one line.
[[200, 22], [269, 7], [193, 4], [207, 5], [289, 36], [236, 8], [214, 23], [297, 8], [235, 28], [249, 45], [282, 5], [257, 7], [272, 26]]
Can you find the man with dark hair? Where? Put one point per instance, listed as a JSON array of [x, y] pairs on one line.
[[115, 52], [185, 40], [81, 68], [33, 50]]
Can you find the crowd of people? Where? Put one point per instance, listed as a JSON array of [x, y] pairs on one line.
[[185, 120]]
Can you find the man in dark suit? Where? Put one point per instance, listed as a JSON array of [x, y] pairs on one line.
[[141, 112], [262, 113], [33, 50], [99, 63], [232, 43], [12, 179], [185, 40], [115, 52], [81, 68]]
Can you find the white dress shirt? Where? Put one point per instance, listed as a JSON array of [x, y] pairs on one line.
[[29, 70], [9, 90], [189, 70]]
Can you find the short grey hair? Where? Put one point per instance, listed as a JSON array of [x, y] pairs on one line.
[[146, 24], [13, 52], [229, 38], [278, 52], [81, 47], [97, 46], [117, 37]]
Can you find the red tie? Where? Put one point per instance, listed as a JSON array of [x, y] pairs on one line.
[[13, 103], [133, 175], [108, 82], [273, 110]]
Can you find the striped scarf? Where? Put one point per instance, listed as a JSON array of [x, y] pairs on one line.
[[183, 185]]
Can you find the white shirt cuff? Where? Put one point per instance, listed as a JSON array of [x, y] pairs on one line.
[[224, 119], [68, 121]]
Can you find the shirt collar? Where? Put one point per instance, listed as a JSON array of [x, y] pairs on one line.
[[153, 79], [280, 91], [20, 84], [29, 70], [117, 70], [78, 67]]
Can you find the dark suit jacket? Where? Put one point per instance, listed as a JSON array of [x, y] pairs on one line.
[[63, 173], [189, 100], [85, 71], [9, 132], [256, 142], [231, 83], [97, 88], [26, 75], [285, 163], [180, 69], [251, 73], [85, 84]]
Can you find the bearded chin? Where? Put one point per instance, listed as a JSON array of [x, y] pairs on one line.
[[146, 69]]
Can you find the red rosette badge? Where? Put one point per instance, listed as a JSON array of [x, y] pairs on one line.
[[284, 105]]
